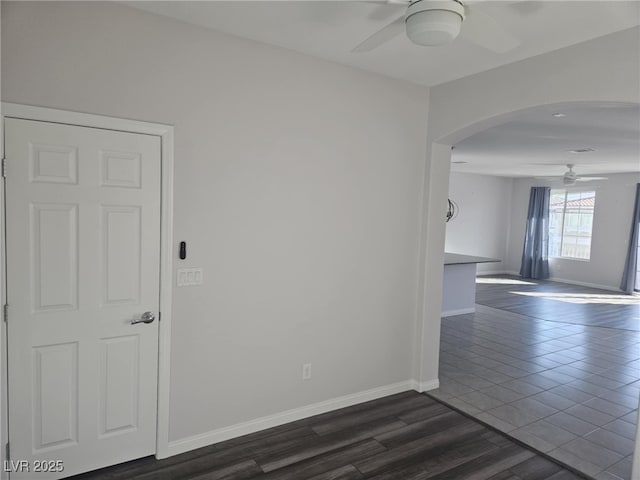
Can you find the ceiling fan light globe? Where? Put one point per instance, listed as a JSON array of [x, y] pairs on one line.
[[433, 27]]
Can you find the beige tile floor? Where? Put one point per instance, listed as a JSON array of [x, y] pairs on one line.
[[570, 391]]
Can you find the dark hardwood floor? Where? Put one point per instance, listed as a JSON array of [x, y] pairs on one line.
[[553, 301], [408, 436]]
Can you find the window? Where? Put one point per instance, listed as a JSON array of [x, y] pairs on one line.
[[570, 223]]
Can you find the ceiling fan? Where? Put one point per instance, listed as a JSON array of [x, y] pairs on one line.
[[438, 22], [570, 177]]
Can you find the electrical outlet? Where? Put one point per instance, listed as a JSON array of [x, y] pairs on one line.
[[306, 371]]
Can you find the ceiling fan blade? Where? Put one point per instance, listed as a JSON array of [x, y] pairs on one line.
[[388, 2], [392, 30], [385, 10], [590, 179], [486, 32], [525, 7]]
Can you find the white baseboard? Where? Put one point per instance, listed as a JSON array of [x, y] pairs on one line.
[[493, 272], [574, 282], [585, 284], [190, 443], [462, 311], [425, 386]]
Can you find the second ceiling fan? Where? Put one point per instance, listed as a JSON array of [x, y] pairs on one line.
[[570, 177]]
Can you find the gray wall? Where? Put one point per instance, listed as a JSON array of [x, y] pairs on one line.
[[611, 227], [482, 225], [492, 220], [297, 186]]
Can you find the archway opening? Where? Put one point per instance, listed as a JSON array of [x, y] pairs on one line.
[[529, 358]]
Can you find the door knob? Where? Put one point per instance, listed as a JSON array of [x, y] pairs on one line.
[[146, 317]]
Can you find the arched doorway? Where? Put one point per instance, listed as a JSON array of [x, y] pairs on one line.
[[441, 150]]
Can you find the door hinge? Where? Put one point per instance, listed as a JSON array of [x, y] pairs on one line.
[[7, 452], [4, 167], [5, 312]]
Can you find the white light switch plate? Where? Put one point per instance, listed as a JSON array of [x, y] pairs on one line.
[[189, 276]]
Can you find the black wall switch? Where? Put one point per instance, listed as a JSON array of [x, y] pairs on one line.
[[183, 250]]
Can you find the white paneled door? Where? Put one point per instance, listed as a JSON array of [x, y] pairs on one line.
[[83, 256]]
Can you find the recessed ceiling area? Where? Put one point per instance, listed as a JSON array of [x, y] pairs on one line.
[[332, 29], [597, 137]]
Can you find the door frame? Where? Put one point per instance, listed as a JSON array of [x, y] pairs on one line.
[[165, 133]]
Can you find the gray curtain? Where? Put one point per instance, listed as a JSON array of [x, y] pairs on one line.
[[535, 254], [629, 275]]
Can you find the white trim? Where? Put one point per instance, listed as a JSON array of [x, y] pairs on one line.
[[166, 296], [425, 386], [165, 132], [462, 311], [512, 272], [492, 272], [574, 282], [570, 259], [225, 433], [635, 465], [4, 400], [29, 112], [584, 284]]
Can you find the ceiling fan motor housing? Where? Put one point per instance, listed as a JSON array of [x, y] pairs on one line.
[[434, 22], [570, 177]]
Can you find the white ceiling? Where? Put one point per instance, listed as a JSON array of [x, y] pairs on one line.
[[331, 29], [537, 144]]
